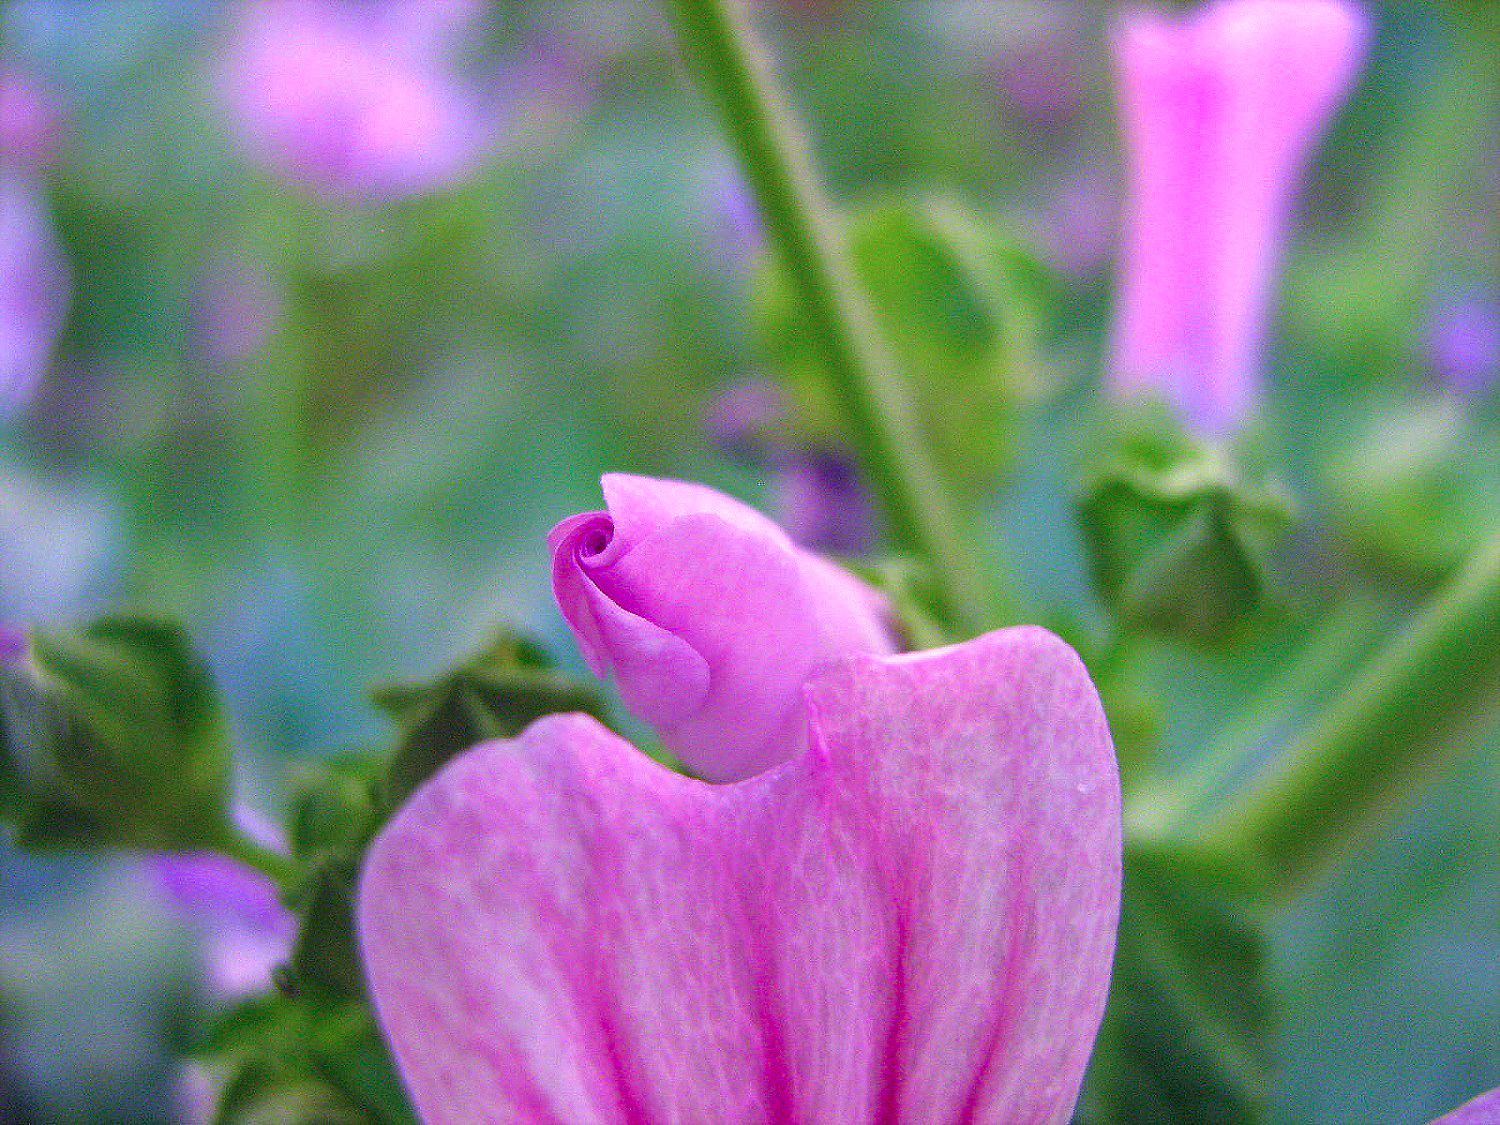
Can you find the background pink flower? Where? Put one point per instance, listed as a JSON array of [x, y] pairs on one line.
[[1220, 111]]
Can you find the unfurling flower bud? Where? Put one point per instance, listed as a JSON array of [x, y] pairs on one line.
[[709, 617], [1220, 113]]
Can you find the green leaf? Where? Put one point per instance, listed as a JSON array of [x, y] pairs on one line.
[[309, 1060], [1185, 1036], [496, 693], [1177, 537], [132, 743], [958, 300], [1417, 488]]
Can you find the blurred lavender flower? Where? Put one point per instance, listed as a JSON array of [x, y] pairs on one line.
[[236, 309], [1042, 71], [12, 644], [816, 493], [31, 123], [1463, 340], [195, 1095], [1220, 111], [34, 288], [735, 232], [366, 102], [1078, 221], [818, 497], [246, 931]]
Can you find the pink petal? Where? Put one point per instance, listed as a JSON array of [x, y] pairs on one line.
[[1220, 112], [1483, 1110], [912, 920], [709, 618]]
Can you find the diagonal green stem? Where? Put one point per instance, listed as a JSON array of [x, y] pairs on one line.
[[806, 232], [1436, 684], [272, 864]]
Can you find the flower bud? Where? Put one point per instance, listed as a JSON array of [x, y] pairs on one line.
[[709, 617]]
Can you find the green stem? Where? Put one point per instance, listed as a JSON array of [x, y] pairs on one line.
[[1433, 686], [272, 864], [805, 231]]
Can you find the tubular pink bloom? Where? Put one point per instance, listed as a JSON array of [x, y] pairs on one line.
[[911, 921], [709, 617], [34, 289], [1220, 113], [1483, 1110]]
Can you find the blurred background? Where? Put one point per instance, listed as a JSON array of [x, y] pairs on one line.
[[314, 320]]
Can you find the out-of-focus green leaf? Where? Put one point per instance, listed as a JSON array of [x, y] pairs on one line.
[[132, 748], [1177, 537], [1419, 488], [302, 1059], [958, 301], [1185, 1036]]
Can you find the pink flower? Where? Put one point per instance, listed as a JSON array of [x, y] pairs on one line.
[[912, 920], [1220, 112], [1483, 1110], [34, 289], [709, 617]]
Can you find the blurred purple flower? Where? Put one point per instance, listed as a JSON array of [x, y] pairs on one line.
[[34, 288], [31, 123], [1079, 221], [1463, 340], [1220, 111], [246, 931], [735, 230], [237, 308], [195, 1095], [12, 644], [1043, 73], [816, 493], [366, 102]]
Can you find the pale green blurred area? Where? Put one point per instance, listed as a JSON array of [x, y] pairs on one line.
[[467, 364]]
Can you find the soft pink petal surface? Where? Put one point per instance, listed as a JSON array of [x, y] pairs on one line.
[[708, 616], [1483, 1110], [1220, 112], [912, 920]]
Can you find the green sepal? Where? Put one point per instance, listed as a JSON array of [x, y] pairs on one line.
[[1186, 1034], [1178, 538], [336, 808], [958, 300], [126, 742], [304, 1059], [496, 693]]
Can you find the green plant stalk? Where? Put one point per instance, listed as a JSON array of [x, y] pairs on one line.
[[1435, 684], [806, 232], [280, 869]]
